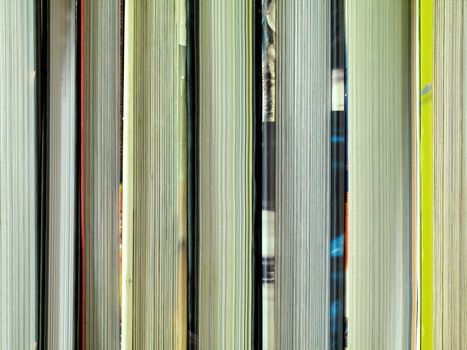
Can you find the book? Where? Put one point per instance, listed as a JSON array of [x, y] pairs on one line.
[[449, 185], [62, 289], [155, 177], [303, 140], [225, 173], [379, 276], [20, 184], [100, 172]]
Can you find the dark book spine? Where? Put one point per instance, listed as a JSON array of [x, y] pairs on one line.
[[257, 175], [192, 70], [268, 170], [338, 175], [42, 161]]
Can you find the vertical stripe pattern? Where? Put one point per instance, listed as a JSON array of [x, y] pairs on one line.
[[450, 175], [225, 174], [378, 293], [101, 173], [302, 167], [18, 172]]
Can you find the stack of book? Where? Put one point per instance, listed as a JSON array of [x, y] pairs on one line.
[[216, 174]]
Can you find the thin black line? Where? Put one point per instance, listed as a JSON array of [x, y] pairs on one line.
[[257, 175], [193, 170], [78, 248], [42, 157]]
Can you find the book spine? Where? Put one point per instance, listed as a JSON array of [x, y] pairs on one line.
[[268, 190], [338, 174]]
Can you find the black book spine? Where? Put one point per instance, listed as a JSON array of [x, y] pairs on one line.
[[338, 175], [192, 70], [42, 163]]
